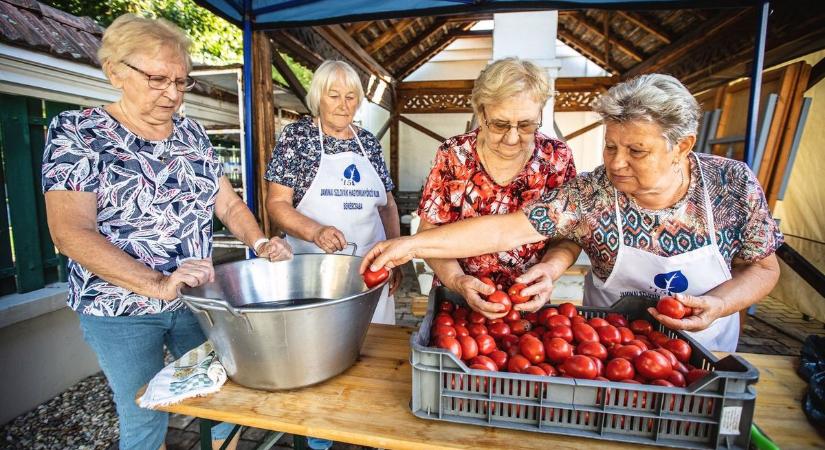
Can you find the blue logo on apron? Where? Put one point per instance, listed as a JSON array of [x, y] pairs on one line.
[[672, 282], [351, 173]]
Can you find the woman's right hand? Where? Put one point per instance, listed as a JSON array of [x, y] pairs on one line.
[[471, 288], [330, 239], [390, 254], [192, 273]]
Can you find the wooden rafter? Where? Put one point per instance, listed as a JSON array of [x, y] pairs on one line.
[[582, 130], [422, 129], [418, 40], [585, 49], [357, 27], [296, 49], [474, 34], [584, 83], [624, 46], [396, 29], [651, 28], [344, 43], [291, 79], [433, 50]]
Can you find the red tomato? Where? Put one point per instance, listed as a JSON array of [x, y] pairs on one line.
[[557, 320], [486, 344], [469, 347], [372, 279], [580, 366], [462, 322], [443, 330], [681, 368], [501, 297], [486, 362], [658, 338], [619, 369], [476, 317], [488, 281], [479, 367], [531, 317], [599, 365], [679, 348], [568, 309], [583, 332], [670, 356], [538, 331], [561, 331], [443, 319], [548, 369], [515, 293], [677, 378], [545, 314], [661, 382], [578, 319], [450, 344], [519, 327], [446, 306], [640, 343], [461, 330], [512, 316], [535, 370], [609, 335], [628, 352], [517, 364], [460, 312], [652, 365], [489, 322], [597, 322], [499, 358], [557, 350], [497, 330], [476, 328], [671, 307], [641, 327], [508, 341], [627, 334], [532, 349], [616, 319], [688, 311], [694, 375], [591, 348]]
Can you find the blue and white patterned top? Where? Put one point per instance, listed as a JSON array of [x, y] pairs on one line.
[[155, 199], [297, 156]]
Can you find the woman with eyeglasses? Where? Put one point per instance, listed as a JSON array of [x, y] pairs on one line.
[[496, 169], [131, 189]]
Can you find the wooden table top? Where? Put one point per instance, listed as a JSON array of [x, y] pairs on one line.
[[369, 405]]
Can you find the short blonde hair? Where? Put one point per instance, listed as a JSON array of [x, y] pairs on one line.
[[505, 78], [130, 34], [328, 72]]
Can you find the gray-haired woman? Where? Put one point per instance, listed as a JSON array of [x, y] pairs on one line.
[[656, 219]]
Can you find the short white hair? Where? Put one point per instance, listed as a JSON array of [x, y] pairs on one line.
[[655, 98], [327, 73], [129, 35]]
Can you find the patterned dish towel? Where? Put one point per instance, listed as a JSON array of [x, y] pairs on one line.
[[195, 374]]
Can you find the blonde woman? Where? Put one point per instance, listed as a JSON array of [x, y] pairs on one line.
[[328, 182], [131, 189], [495, 169]]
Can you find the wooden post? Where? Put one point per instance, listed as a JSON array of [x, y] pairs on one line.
[[394, 116], [263, 120]]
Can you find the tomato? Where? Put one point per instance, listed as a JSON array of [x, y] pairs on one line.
[[479, 367], [688, 311], [545, 314], [548, 369], [557, 350], [591, 348], [599, 365], [538, 331], [508, 341], [450, 344], [476, 328], [460, 312], [462, 322], [499, 358], [609, 335], [671, 307], [531, 317], [578, 319], [670, 356], [517, 364], [535, 370], [489, 322], [616, 319], [580, 366], [512, 316], [461, 330], [597, 322], [469, 347], [652, 365], [372, 279], [641, 327], [568, 309], [694, 375], [558, 320], [658, 338], [501, 298], [445, 306], [619, 369], [515, 293], [677, 378], [476, 317], [532, 349], [486, 344], [679, 348], [583, 332], [443, 330], [640, 343], [519, 327], [561, 331], [661, 382], [443, 319], [681, 368], [488, 281], [627, 334], [497, 330], [629, 352], [488, 363]]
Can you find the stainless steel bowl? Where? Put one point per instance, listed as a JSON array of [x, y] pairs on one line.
[[286, 324]]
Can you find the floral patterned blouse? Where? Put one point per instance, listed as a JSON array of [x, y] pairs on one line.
[[297, 156], [155, 199], [459, 187], [583, 210]]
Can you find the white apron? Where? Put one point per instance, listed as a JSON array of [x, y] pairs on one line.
[[694, 273], [347, 193]]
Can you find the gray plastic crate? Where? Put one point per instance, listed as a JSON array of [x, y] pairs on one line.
[[714, 412]]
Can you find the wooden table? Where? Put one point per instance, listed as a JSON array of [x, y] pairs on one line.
[[369, 405]]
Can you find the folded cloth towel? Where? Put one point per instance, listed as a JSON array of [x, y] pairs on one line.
[[195, 374]]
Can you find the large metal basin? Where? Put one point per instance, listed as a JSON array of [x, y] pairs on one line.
[[286, 324]]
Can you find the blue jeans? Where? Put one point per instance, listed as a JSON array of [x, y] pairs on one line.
[[130, 352]]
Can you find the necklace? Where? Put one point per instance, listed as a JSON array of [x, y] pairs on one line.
[[502, 182]]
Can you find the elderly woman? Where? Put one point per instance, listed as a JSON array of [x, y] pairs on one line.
[[130, 192], [655, 219], [328, 182], [496, 169]]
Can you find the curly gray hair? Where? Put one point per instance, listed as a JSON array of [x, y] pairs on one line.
[[656, 98]]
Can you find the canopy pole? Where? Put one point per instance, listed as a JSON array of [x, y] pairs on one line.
[[249, 187], [756, 84]]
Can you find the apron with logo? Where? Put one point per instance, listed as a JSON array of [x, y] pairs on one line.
[[694, 273], [347, 193]]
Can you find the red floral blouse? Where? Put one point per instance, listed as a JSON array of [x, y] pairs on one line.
[[458, 188]]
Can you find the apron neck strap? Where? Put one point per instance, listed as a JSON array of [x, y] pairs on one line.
[[351, 128]]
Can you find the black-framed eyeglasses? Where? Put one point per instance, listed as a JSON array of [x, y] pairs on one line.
[[502, 127], [161, 82]]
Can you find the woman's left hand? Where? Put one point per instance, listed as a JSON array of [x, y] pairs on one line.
[[276, 249], [395, 281], [706, 309], [540, 290]]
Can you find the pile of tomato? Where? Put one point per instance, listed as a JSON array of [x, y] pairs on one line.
[[559, 341]]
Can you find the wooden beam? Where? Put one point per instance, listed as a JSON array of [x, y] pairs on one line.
[[651, 28], [698, 36], [470, 17], [802, 267], [296, 49], [425, 56], [397, 29], [582, 130], [263, 120], [439, 85], [469, 34], [357, 27], [584, 83], [585, 49], [384, 128], [291, 79], [422, 129], [624, 46], [352, 50], [817, 74], [418, 40], [394, 154]]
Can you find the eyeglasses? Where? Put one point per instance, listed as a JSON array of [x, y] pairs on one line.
[[161, 82], [502, 127]]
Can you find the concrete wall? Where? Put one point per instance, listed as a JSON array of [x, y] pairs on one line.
[[417, 150], [587, 148]]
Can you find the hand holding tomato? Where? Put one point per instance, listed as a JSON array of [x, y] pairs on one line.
[[472, 288], [539, 281], [389, 254], [374, 278], [706, 309]]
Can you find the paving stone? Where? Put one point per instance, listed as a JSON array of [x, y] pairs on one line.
[[180, 440]]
